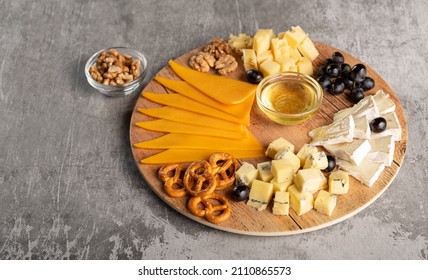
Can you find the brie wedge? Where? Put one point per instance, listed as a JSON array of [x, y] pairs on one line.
[[366, 107], [367, 172], [362, 128], [383, 102], [392, 127], [382, 150], [337, 132], [354, 152]]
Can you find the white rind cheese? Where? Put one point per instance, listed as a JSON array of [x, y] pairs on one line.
[[366, 107], [382, 150], [367, 172], [362, 128], [354, 152], [337, 132], [392, 127], [383, 102]]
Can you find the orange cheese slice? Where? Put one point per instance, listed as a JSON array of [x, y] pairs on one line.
[[177, 127], [200, 142], [189, 155], [222, 89], [182, 102], [189, 117], [239, 110]]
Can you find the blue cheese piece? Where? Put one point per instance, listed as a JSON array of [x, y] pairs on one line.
[[288, 156], [366, 107], [383, 102], [354, 152], [260, 195], [382, 150], [277, 145], [281, 203], [300, 202], [392, 127], [334, 133], [281, 186], [338, 182], [304, 152], [282, 171], [310, 180], [316, 160], [245, 175], [362, 128], [264, 171], [325, 203], [367, 172]]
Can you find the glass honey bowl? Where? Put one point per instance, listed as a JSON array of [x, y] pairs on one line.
[[289, 98]]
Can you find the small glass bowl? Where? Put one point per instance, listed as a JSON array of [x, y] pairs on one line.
[[118, 90], [312, 101]]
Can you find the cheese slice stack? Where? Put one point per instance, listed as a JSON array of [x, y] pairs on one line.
[[362, 153]]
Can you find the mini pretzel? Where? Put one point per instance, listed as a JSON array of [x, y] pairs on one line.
[[209, 209], [198, 178], [224, 166], [174, 180]]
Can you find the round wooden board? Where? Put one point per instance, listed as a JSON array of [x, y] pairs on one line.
[[245, 219]]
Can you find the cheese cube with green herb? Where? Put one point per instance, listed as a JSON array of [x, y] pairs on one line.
[[305, 152], [245, 175], [281, 186], [316, 160], [310, 180], [260, 194], [281, 203], [338, 182], [277, 145], [325, 202], [264, 171], [300, 202]]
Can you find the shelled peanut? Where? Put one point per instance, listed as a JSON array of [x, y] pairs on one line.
[[113, 68]]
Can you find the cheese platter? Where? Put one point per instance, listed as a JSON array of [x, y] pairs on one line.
[[146, 136]]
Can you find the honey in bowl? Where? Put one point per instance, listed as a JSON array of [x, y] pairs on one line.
[[289, 97]]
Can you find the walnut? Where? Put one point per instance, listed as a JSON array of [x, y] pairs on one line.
[[218, 48], [226, 64], [202, 62]]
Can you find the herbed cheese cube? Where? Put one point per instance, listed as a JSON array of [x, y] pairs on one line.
[[277, 145], [280, 50], [307, 49], [261, 40], [260, 195], [304, 66], [338, 182], [245, 175], [281, 186], [281, 203], [268, 68], [282, 170], [295, 37], [316, 160], [300, 202], [264, 171], [310, 180], [305, 152], [289, 157], [325, 202], [250, 59]]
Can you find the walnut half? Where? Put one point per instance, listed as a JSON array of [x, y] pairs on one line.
[[218, 48], [226, 64], [202, 62]]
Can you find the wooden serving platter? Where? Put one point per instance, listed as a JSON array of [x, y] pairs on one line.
[[245, 219]]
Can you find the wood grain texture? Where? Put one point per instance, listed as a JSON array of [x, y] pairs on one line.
[[245, 219]]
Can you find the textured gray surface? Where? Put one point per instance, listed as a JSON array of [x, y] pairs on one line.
[[68, 184]]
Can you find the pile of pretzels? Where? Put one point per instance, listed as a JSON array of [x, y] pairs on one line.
[[200, 180]]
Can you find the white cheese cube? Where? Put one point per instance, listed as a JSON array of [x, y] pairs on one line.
[[261, 40], [337, 132], [383, 102], [308, 50], [304, 66], [268, 68], [281, 203], [260, 195], [280, 49], [338, 182], [295, 37], [245, 175], [289, 157], [282, 170], [367, 172], [277, 145], [382, 150], [250, 59], [354, 151], [288, 64], [316, 160], [304, 152], [393, 127], [325, 202], [310, 180], [281, 186], [300, 202], [264, 171]]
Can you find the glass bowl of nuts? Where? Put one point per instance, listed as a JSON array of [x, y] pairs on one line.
[[116, 71]]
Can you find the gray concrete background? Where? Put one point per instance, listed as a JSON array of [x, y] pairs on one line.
[[68, 186]]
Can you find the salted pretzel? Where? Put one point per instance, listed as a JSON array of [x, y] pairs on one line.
[[213, 213], [198, 178], [172, 177], [224, 166]]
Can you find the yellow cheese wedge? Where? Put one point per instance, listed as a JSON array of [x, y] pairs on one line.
[[188, 141], [182, 102], [189, 155], [189, 117], [222, 89], [177, 127], [241, 110]]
